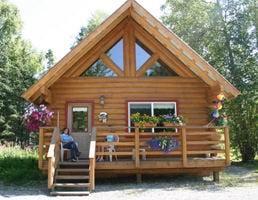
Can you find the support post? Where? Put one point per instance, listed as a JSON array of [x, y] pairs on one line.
[[216, 177], [227, 145], [139, 178], [137, 147], [40, 150], [51, 172], [92, 174], [184, 147]]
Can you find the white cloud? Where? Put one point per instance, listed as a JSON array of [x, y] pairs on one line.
[[54, 24]]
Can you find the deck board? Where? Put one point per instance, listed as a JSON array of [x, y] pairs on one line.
[[164, 163]]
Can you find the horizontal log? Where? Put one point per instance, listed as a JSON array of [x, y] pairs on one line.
[[114, 153], [205, 152]]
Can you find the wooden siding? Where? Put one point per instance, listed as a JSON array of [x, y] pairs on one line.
[[189, 93]]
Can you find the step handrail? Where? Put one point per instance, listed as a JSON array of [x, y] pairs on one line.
[[53, 156], [92, 160]]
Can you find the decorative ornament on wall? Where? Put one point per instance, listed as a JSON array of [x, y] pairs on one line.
[[103, 117], [217, 117]]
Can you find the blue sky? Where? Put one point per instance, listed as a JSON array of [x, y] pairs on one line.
[[54, 24]]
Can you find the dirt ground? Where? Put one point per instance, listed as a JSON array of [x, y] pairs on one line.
[[236, 183]]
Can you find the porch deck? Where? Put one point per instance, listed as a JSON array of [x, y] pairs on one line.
[[201, 150]]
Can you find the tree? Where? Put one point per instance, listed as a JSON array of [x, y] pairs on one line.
[[224, 33], [95, 20], [98, 68], [18, 65], [49, 56]]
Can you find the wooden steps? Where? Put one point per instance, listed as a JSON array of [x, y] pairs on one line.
[[69, 193], [86, 185], [73, 170], [66, 163], [71, 179]]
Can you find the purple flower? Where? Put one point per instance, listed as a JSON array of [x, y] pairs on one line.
[[34, 117]]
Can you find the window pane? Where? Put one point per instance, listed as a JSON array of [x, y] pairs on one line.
[[142, 109], [164, 109], [99, 69], [116, 53], [142, 54], [160, 69], [80, 119]]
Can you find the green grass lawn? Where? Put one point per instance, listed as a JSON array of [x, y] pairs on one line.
[[19, 167]]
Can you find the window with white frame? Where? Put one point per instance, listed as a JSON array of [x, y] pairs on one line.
[[151, 108]]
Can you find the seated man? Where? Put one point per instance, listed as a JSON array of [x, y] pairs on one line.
[[68, 143]]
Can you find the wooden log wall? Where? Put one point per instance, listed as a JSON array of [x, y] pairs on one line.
[[189, 93]]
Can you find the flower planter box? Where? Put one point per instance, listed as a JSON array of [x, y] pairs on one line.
[[145, 125], [171, 124]]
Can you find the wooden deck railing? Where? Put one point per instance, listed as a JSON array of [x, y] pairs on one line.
[[53, 156], [92, 160], [195, 142]]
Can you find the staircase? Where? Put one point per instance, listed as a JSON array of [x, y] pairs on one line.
[[71, 178]]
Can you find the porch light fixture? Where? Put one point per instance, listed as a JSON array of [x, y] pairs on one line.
[[102, 100]]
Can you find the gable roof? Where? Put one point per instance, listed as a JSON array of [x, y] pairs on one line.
[[170, 40]]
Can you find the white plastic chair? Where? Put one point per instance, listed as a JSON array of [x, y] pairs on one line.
[[62, 150], [143, 152], [111, 148]]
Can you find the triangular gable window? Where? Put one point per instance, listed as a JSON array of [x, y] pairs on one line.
[[116, 54], [142, 54], [99, 69], [160, 69]]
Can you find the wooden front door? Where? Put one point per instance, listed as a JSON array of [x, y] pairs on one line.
[[79, 121]]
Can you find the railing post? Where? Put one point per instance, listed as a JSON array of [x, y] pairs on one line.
[[137, 147], [92, 174], [227, 145], [40, 148], [51, 171], [184, 147], [92, 155]]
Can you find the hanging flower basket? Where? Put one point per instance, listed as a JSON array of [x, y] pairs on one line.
[[37, 116], [166, 144]]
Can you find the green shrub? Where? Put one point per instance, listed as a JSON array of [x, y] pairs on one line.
[[18, 166]]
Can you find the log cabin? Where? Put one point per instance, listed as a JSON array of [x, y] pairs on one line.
[[130, 63]]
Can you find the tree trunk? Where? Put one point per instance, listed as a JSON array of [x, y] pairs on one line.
[[247, 153]]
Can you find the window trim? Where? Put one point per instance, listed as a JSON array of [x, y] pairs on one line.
[[152, 110]]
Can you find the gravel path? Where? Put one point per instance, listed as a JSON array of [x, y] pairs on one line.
[[158, 188]]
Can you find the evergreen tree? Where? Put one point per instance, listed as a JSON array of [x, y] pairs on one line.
[[49, 56], [18, 65], [224, 32]]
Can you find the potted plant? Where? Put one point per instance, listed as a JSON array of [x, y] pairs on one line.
[[173, 120], [143, 121], [150, 121]]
